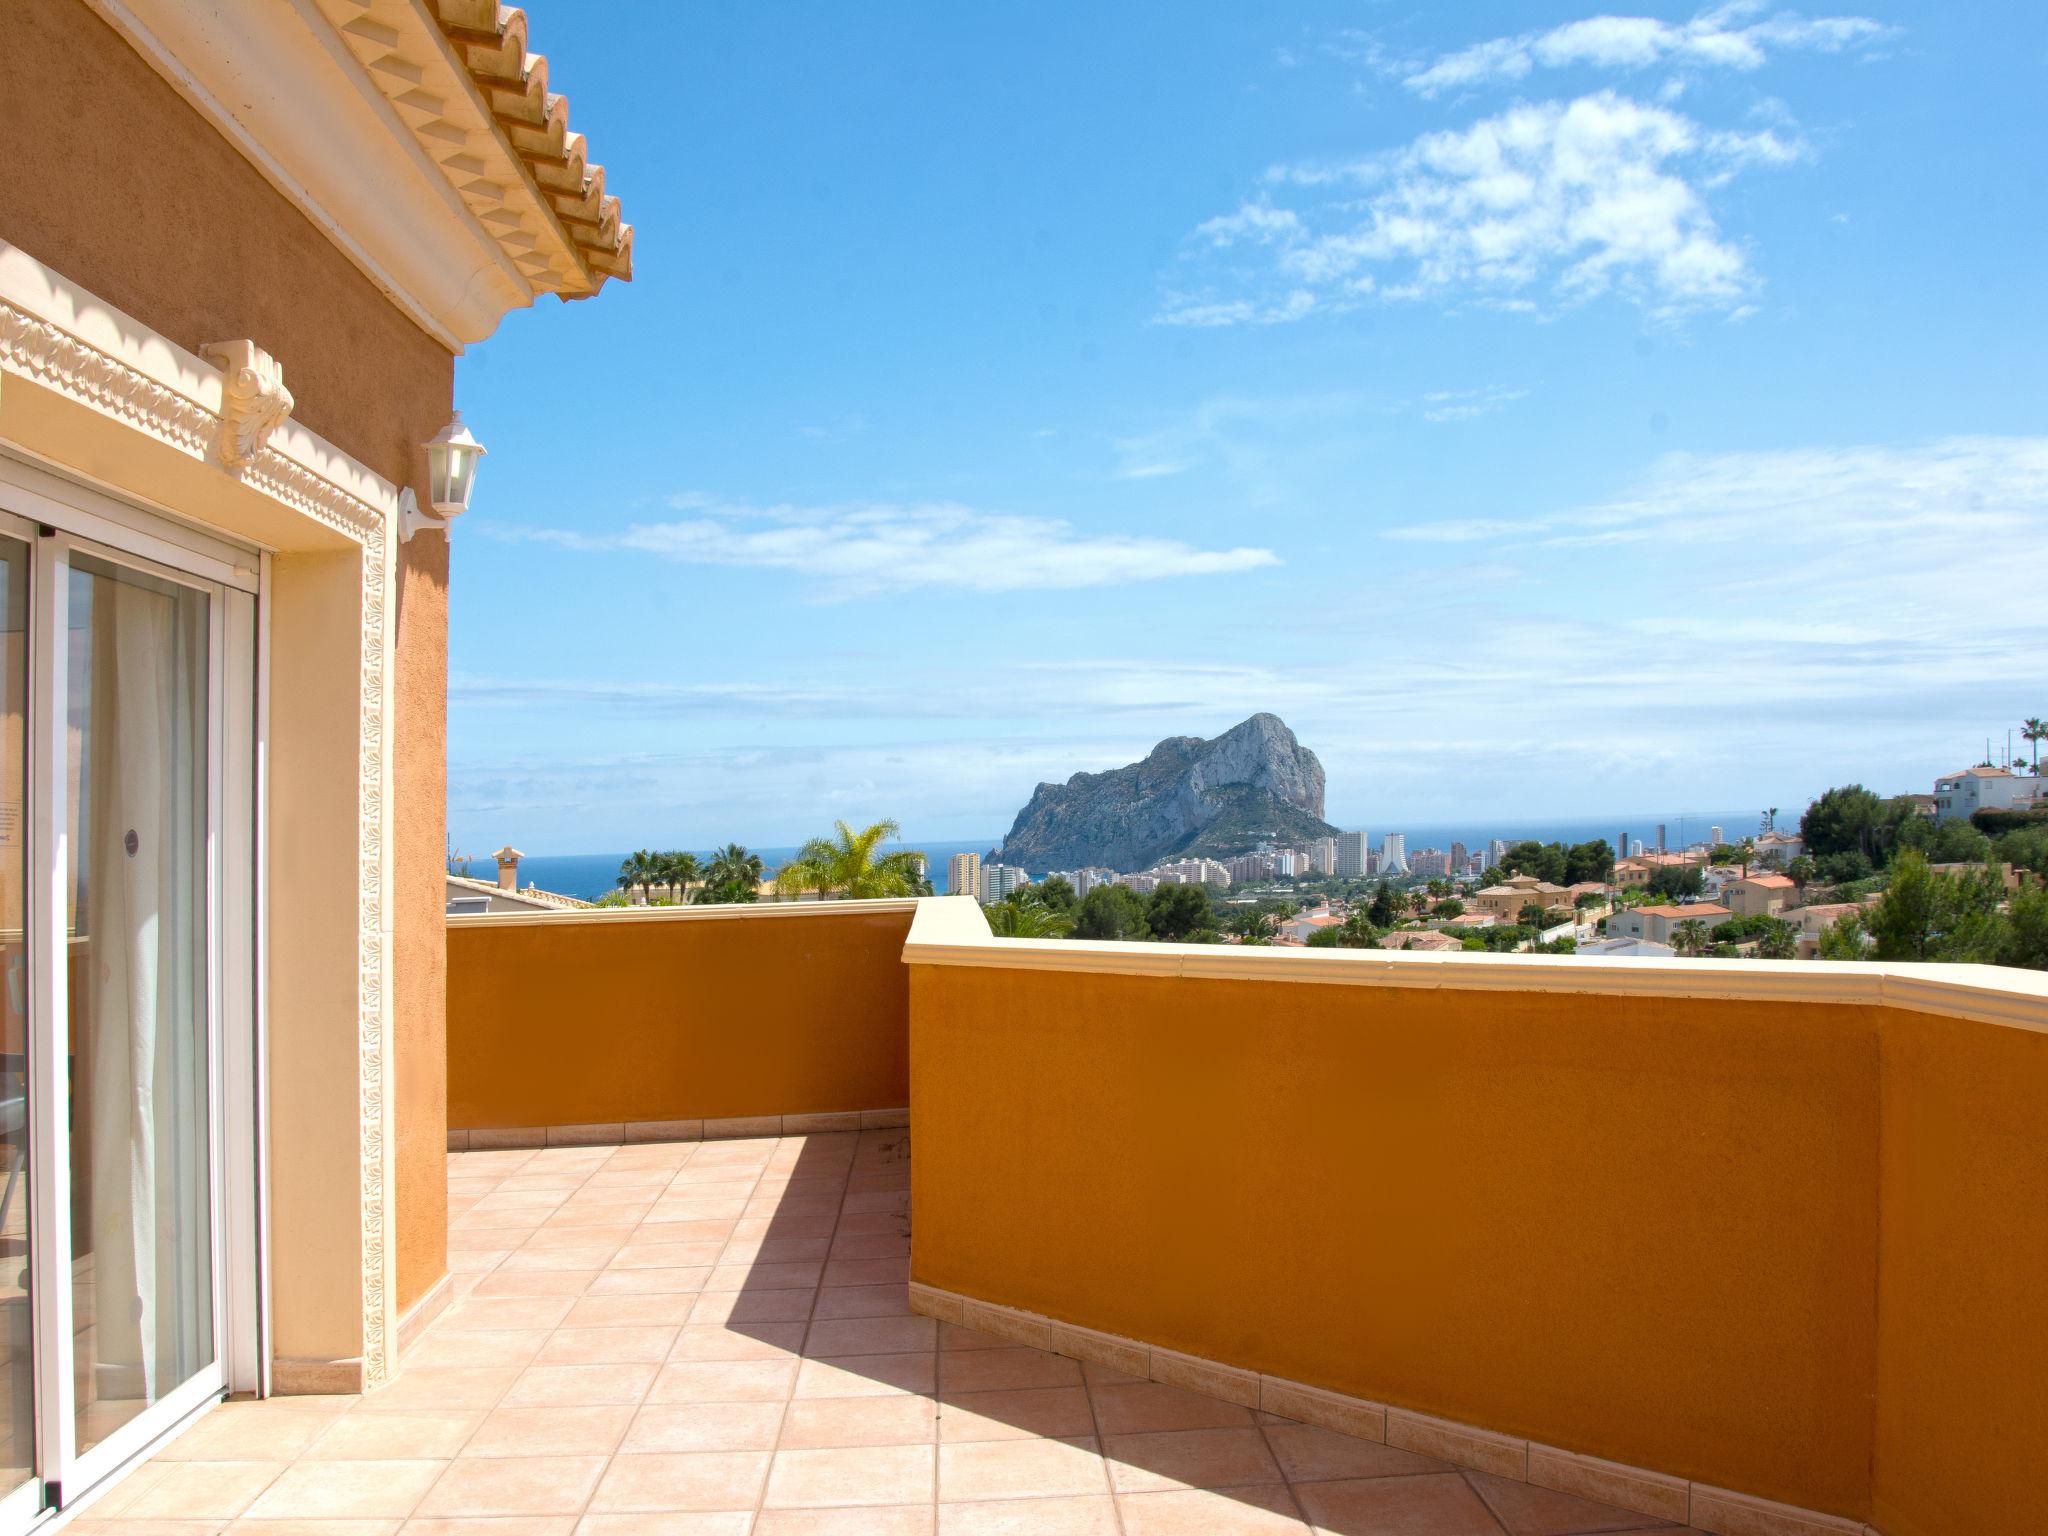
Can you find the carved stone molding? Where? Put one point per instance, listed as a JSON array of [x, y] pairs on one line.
[[254, 401]]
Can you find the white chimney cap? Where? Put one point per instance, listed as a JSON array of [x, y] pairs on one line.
[[508, 855]]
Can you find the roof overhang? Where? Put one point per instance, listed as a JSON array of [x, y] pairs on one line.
[[419, 134]]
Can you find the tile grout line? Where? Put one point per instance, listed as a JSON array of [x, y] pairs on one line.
[[1465, 1476], [583, 1509], [1116, 1506], [1259, 1417]]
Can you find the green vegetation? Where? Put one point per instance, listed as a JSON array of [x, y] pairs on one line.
[[731, 875], [1023, 915], [1355, 932], [1556, 863], [846, 865], [1111, 912], [1939, 915], [1180, 914], [1676, 880]]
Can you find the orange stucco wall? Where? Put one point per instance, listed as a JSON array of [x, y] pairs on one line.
[[1640, 1230], [1963, 1292], [611, 1018], [117, 182]]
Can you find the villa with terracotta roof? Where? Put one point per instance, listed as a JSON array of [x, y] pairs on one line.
[[1758, 894], [1657, 924]]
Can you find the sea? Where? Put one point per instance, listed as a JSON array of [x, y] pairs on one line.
[[590, 875]]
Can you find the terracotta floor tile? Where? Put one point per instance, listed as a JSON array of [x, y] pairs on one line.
[[580, 1212], [897, 1222], [704, 1427], [1527, 1510], [699, 1207], [752, 1307], [1019, 1469], [990, 1370], [823, 1422], [871, 1336], [867, 1376], [864, 1301], [523, 1485], [247, 1432], [1139, 1407], [871, 1245], [543, 1386], [867, 1271], [537, 1282], [776, 1248], [902, 1520], [556, 1233], [738, 1341], [1080, 1516], [1188, 1458], [612, 1284], [347, 1490], [582, 1256], [248, 1527], [361, 1436], [953, 1336], [645, 1344], [661, 1255], [1437, 1504], [763, 1277], [556, 1430], [685, 1481], [866, 1474], [667, 1309], [509, 1525], [671, 1523], [724, 1381], [205, 1490], [655, 1230], [1309, 1454], [876, 1200], [416, 1390], [1265, 1511], [517, 1313], [1059, 1413], [453, 1347]]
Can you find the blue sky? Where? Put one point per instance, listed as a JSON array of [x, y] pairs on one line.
[[1546, 411]]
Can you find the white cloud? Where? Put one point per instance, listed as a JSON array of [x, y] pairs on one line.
[[1568, 200], [1723, 38], [868, 550], [1466, 404]]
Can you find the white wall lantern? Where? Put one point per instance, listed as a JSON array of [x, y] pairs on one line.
[[451, 476]]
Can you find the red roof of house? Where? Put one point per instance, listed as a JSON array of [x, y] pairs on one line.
[[1697, 909]]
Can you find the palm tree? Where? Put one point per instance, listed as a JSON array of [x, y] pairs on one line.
[[679, 871], [2035, 729], [848, 866], [733, 875], [1747, 848], [1026, 917], [1779, 941], [1690, 937], [641, 871], [1252, 925]]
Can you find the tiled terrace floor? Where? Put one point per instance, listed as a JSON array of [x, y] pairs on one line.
[[711, 1339]]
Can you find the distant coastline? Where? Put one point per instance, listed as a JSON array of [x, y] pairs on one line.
[[591, 875]]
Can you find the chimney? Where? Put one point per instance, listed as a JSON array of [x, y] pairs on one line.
[[508, 859]]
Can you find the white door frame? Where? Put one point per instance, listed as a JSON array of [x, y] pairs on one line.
[[54, 517]]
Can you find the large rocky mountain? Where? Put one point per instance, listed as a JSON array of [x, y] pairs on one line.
[[1188, 798]]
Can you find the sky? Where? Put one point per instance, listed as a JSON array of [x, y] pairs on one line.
[[1547, 412]]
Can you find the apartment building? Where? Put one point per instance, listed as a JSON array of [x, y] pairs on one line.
[[1958, 796], [963, 874], [1354, 855], [998, 880], [1758, 895]]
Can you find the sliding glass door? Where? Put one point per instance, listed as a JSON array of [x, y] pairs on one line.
[[115, 727]]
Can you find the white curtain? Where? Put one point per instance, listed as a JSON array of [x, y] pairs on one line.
[[145, 815]]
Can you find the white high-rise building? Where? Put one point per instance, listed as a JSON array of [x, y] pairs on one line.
[[1352, 855], [998, 880], [1322, 855], [963, 875], [1085, 880], [1496, 851], [1635, 848], [1714, 837], [1394, 854]]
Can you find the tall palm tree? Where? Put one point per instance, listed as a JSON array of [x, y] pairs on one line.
[[1747, 848], [641, 871], [680, 871], [1028, 918], [1690, 937], [2035, 729], [846, 865], [733, 875]]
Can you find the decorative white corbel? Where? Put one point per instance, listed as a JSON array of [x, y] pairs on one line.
[[412, 520], [254, 401]]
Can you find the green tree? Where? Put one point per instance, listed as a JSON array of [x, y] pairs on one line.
[[1852, 819], [1585, 862], [1801, 871], [1943, 842], [679, 871], [2026, 935], [1057, 892], [1418, 902], [1671, 881], [1449, 909], [1355, 932], [1531, 915], [1383, 912], [640, 871], [2026, 848], [1178, 912], [1546, 861], [1690, 937], [1251, 925], [1848, 865], [1843, 939], [2035, 730], [1021, 915], [1779, 941], [1927, 915], [1111, 912], [847, 864], [732, 876]]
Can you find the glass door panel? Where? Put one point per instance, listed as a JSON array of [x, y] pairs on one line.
[[137, 1030], [17, 1324]]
